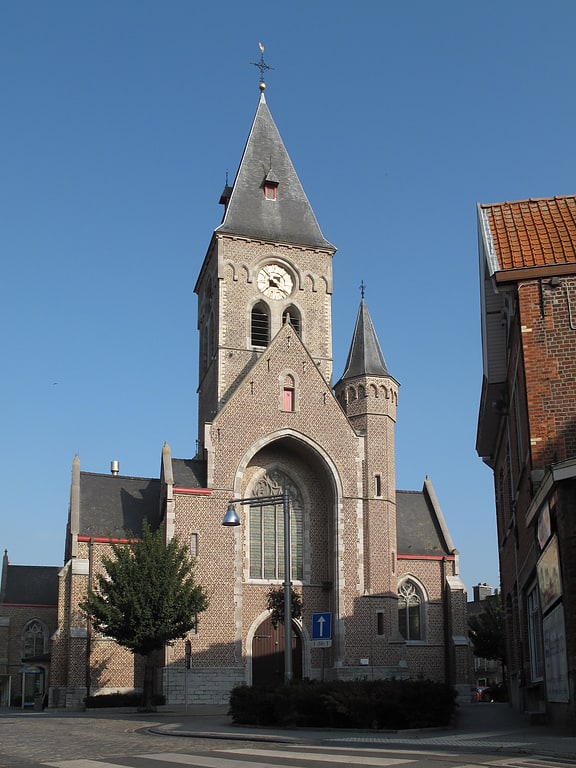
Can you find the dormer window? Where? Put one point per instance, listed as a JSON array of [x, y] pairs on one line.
[[270, 186]]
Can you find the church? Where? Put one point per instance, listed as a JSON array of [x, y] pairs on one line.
[[311, 465]]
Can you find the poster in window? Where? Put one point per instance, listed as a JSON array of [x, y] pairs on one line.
[[544, 525], [549, 580], [556, 664]]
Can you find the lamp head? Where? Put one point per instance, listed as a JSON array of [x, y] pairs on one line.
[[231, 518]]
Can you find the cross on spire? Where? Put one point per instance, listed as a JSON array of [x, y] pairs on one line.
[[262, 66], [362, 288]]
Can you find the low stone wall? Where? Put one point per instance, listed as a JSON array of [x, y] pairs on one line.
[[200, 686], [60, 697]]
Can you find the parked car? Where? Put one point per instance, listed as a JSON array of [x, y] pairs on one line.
[[494, 693], [480, 690]]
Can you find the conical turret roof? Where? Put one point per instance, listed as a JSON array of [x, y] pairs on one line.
[[365, 357], [288, 217]]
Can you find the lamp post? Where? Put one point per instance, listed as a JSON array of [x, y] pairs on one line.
[[231, 518]]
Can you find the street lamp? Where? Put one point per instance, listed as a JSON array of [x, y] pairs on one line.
[[231, 518]]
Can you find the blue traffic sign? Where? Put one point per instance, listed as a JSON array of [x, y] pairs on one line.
[[322, 626]]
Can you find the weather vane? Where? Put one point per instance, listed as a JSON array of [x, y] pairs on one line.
[[362, 288], [262, 66]]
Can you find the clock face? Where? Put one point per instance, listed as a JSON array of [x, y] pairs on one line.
[[274, 282]]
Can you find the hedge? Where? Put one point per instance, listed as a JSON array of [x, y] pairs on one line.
[[365, 704]]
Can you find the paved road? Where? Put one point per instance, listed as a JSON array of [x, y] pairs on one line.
[[304, 757], [485, 735]]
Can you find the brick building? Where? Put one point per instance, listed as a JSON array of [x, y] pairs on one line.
[[527, 435], [380, 561], [487, 672], [28, 618]]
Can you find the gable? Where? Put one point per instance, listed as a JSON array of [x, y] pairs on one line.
[[418, 530], [255, 408]]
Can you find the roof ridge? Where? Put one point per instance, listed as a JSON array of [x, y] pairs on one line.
[[527, 200]]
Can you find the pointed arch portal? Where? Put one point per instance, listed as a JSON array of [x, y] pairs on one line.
[[268, 654]]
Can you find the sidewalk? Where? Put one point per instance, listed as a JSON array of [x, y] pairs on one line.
[[480, 727]]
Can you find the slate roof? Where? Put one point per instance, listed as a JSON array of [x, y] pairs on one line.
[[189, 473], [289, 218], [114, 506], [418, 529], [365, 357], [531, 233], [31, 585]]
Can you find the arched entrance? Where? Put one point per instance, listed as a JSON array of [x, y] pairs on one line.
[[268, 654]]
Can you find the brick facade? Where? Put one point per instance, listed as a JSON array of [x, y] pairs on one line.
[[527, 434]]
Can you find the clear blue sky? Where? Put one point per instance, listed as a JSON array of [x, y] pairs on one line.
[[119, 121]]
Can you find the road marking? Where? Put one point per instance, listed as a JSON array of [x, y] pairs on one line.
[[348, 759], [272, 756], [82, 764]]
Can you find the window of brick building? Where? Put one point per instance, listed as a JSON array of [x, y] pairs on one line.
[[535, 635], [410, 611], [34, 639]]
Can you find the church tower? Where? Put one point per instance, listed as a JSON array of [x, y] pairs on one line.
[[267, 264], [369, 396]]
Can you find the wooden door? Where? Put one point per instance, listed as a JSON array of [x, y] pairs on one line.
[[268, 655]]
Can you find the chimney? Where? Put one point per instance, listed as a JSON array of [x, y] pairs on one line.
[[115, 467]]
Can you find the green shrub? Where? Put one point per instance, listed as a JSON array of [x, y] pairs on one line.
[[381, 704]]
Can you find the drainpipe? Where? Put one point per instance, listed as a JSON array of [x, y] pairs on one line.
[[88, 620], [446, 622]]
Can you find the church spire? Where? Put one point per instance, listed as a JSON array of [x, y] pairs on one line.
[[267, 201], [365, 357]]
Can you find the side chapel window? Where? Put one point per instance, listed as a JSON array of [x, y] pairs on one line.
[[267, 530], [33, 639], [410, 607]]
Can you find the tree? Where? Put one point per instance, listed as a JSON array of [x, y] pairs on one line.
[[275, 604], [486, 630], [146, 597]]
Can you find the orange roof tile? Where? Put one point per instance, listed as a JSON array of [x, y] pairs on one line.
[[533, 233]]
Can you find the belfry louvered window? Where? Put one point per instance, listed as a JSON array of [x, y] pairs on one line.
[[260, 326], [292, 315]]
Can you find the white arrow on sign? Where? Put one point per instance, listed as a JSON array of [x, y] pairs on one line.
[[321, 622]]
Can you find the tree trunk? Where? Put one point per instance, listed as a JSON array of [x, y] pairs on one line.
[[148, 690]]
